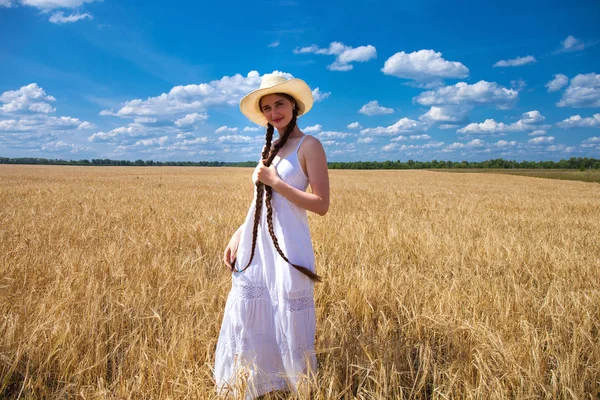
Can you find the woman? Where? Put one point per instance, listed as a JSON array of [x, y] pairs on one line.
[[267, 337]]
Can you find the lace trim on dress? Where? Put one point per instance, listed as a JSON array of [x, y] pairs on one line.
[[286, 303], [297, 304], [296, 353], [239, 345], [247, 292]]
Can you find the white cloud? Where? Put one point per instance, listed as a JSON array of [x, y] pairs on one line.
[[576, 121], [516, 62], [448, 126], [530, 117], [29, 122], [560, 147], [518, 84], [191, 120], [60, 146], [313, 128], [365, 140], [423, 66], [373, 108], [402, 126], [5, 3], [151, 142], [583, 92], [111, 135], [537, 132], [593, 140], [454, 146], [159, 146], [226, 129], [308, 49], [235, 139], [445, 114], [488, 126], [198, 140], [14, 125], [529, 121], [251, 129], [482, 92], [52, 4], [504, 143], [145, 120], [320, 96], [400, 138], [63, 123], [332, 135], [29, 98], [541, 140], [193, 98], [570, 44], [345, 55], [559, 82], [358, 54], [476, 143], [44, 108], [404, 147], [342, 152], [420, 137], [354, 125], [274, 44], [432, 145], [60, 18], [338, 66]]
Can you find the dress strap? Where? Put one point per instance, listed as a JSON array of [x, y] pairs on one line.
[[300, 144]]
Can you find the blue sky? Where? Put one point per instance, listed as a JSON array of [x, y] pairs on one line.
[[423, 80]]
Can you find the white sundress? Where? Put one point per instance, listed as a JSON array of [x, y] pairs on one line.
[[268, 330]]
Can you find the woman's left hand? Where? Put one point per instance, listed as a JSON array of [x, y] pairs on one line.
[[267, 175]]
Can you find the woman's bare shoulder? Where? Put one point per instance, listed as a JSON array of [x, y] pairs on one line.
[[312, 142], [312, 149]]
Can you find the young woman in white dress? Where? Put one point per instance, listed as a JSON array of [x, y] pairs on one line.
[[268, 331]]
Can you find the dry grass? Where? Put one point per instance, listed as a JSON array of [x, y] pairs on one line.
[[437, 285]]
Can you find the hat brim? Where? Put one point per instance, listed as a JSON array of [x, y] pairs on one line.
[[295, 87]]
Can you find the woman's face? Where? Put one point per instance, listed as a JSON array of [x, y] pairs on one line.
[[277, 110]]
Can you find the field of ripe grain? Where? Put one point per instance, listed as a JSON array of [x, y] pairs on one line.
[[436, 285]]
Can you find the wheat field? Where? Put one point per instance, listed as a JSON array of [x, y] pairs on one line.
[[436, 285]]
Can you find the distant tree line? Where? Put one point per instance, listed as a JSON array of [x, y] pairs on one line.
[[498, 163], [139, 163]]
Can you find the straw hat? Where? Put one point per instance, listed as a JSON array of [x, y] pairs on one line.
[[270, 84]]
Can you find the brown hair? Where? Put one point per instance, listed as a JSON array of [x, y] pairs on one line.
[[269, 154]]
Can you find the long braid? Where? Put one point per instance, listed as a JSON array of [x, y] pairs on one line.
[[259, 194], [269, 196]]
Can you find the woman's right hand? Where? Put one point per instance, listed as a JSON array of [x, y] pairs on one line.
[[231, 250]]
